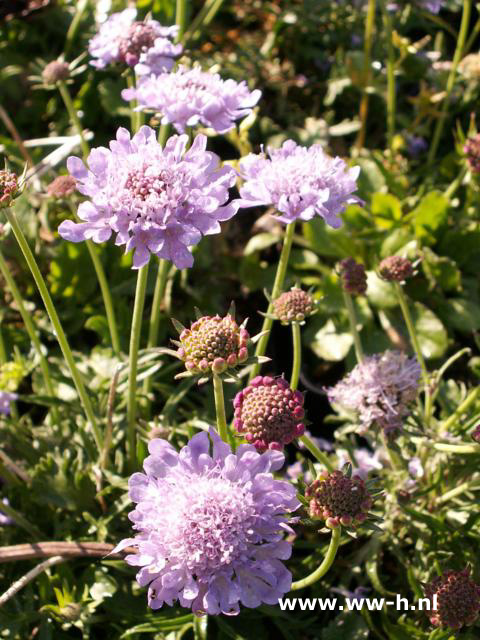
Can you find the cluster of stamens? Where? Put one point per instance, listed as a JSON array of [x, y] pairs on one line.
[[293, 306], [268, 413], [141, 185], [213, 344], [457, 600], [338, 499]]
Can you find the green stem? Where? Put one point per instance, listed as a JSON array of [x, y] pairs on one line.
[[472, 37], [133, 362], [326, 564], [453, 493], [55, 320], [391, 97], [467, 6], [30, 328], [416, 347], [353, 326], [80, 8], [181, 18], [276, 291], [452, 188], [202, 19], [20, 520], [200, 627], [220, 407], [106, 295], [133, 103], [316, 453], [62, 87], [461, 409], [297, 355], [368, 39], [457, 448], [395, 460]]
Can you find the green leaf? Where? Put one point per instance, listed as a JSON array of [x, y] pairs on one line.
[[461, 314], [99, 324], [432, 335], [430, 216], [330, 344], [347, 625], [380, 293], [386, 209], [259, 242]]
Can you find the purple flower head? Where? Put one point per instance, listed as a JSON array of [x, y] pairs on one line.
[[300, 182], [6, 399], [147, 45], [156, 200], [210, 526], [380, 390], [188, 97]]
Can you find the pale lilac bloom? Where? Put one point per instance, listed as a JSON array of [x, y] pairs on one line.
[[415, 468], [147, 46], [4, 519], [6, 399], [380, 389], [159, 201], [210, 526], [187, 97], [300, 182], [365, 460]]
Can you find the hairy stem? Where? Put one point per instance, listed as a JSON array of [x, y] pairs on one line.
[[62, 87], [326, 564], [352, 318], [316, 453], [220, 407], [297, 355]]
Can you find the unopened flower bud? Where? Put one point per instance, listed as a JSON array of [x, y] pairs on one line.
[[55, 71], [396, 269], [8, 188], [354, 278], [293, 306]]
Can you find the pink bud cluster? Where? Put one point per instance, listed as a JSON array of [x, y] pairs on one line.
[[293, 306], [268, 413], [354, 278], [396, 269], [339, 499], [458, 599], [8, 188], [213, 344]]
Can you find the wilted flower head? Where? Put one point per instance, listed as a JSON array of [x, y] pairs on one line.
[[55, 71], [458, 600], [472, 151], [209, 526], [156, 200], [62, 187], [338, 499], [187, 97], [353, 276], [294, 306], [9, 188], [268, 413], [396, 269], [6, 399], [300, 182], [213, 344], [380, 390], [147, 45]]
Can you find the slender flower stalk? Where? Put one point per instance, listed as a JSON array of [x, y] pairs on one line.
[[200, 627], [416, 347], [353, 326], [55, 320], [368, 39], [62, 87], [297, 355], [316, 453], [30, 328], [20, 520], [461, 409], [105, 289], [462, 35], [391, 97], [461, 449], [220, 408], [326, 564], [181, 18], [133, 362], [202, 19], [276, 291]]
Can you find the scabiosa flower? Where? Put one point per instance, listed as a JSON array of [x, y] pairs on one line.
[[6, 399], [188, 97], [9, 188], [338, 499], [213, 344], [300, 182], [294, 306], [268, 413], [209, 526], [55, 71], [353, 276], [147, 45], [380, 390], [472, 151], [396, 269], [457, 600], [156, 200], [62, 187]]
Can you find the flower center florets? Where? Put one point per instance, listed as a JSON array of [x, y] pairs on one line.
[[141, 185], [140, 37]]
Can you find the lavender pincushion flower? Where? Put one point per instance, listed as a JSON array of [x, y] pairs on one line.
[[156, 200], [301, 182], [210, 526], [380, 390], [188, 97], [147, 45]]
